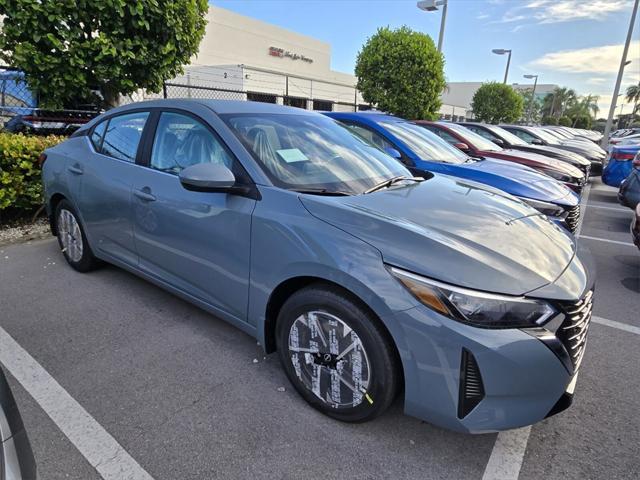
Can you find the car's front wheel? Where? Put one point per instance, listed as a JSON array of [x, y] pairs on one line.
[[336, 355], [72, 239]]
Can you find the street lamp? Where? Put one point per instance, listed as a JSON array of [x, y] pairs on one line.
[[432, 6], [533, 95], [502, 51], [623, 63]]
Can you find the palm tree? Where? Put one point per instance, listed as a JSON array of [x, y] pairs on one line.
[[559, 100], [633, 95]]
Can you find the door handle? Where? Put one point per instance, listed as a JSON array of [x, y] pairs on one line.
[[145, 195], [75, 169]]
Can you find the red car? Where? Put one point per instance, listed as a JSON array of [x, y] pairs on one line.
[[476, 146]]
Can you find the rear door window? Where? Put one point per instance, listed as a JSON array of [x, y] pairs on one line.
[[98, 135], [123, 136]]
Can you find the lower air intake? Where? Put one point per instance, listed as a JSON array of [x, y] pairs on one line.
[[471, 387]]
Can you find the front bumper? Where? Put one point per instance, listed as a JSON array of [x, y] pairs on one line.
[[515, 377]]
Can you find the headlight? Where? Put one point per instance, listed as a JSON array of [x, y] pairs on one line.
[[549, 209], [480, 309]]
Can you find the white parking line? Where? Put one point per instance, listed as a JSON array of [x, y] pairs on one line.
[[614, 324], [507, 455], [100, 449], [617, 242], [619, 209], [583, 203]]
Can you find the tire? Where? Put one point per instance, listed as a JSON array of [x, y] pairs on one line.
[[72, 239], [352, 386]]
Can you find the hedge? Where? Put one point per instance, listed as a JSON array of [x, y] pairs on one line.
[[20, 183]]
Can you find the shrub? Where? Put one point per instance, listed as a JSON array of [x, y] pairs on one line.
[[565, 121], [20, 184], [549, 120], [401, 72]]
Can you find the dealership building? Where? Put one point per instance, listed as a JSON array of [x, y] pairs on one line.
[[244, 58]]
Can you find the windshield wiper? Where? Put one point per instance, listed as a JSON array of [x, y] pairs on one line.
[[391, 181], [321, 191]]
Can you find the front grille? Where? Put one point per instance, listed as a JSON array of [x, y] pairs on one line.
[[573, 218], [573, 331]]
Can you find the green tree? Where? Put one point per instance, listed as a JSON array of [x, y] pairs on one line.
[[496, 102], [549, 120], [565, 121], [633, 95], [68, 48], [401, 72], [583, 121]]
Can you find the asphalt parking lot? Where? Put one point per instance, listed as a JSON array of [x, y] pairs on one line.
[[187, 396]]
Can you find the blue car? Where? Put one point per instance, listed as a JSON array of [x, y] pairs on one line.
[[365, 280], [422, 151], [619, 164]]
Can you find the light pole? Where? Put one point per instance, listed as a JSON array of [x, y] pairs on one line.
[[533, 96], [616, 90], [502, 51], [432, 6]]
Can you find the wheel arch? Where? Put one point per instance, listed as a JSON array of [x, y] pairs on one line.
[[55, 199], [291, 285]]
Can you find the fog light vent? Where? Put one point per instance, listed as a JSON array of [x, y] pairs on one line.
[[471, 387]]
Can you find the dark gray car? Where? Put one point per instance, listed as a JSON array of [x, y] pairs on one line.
[[16, 457]]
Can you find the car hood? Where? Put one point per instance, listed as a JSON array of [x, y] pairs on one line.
[[537, 185], [546, 162], [560, 153], [455, 231]]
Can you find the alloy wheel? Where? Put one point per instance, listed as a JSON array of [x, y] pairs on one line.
[[329, 359], [70, 235]]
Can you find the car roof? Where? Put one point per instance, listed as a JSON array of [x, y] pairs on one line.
[[368, 115], [218, 106]]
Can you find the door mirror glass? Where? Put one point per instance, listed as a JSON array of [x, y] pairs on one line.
[[392, 152], [461, 146], [207, 177], [498, 141], [537, 141]]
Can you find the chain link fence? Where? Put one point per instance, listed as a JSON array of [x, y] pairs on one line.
[[183, 90], [20, 112]]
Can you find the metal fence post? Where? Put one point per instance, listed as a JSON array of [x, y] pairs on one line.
[[164, 89]]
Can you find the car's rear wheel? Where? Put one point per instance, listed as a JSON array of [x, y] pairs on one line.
[[72, 239], [336, 354]]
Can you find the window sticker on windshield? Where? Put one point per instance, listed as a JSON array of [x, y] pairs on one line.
[[291, 155]]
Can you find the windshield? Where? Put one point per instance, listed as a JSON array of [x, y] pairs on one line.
[[312, 152], [425, 144], [510, 138], [546, 136], [478, 142]]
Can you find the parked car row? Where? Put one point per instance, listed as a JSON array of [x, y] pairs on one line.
[[369, 275], [545, 136], [431, 147]]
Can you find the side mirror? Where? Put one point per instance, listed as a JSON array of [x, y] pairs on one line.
[[207, 177], [462, 146], [392, 152], [499, 142], [537, 141]]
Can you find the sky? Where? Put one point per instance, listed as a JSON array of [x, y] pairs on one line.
[[572, 43]]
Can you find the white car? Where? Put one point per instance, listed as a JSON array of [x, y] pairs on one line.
[[626, 140]]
